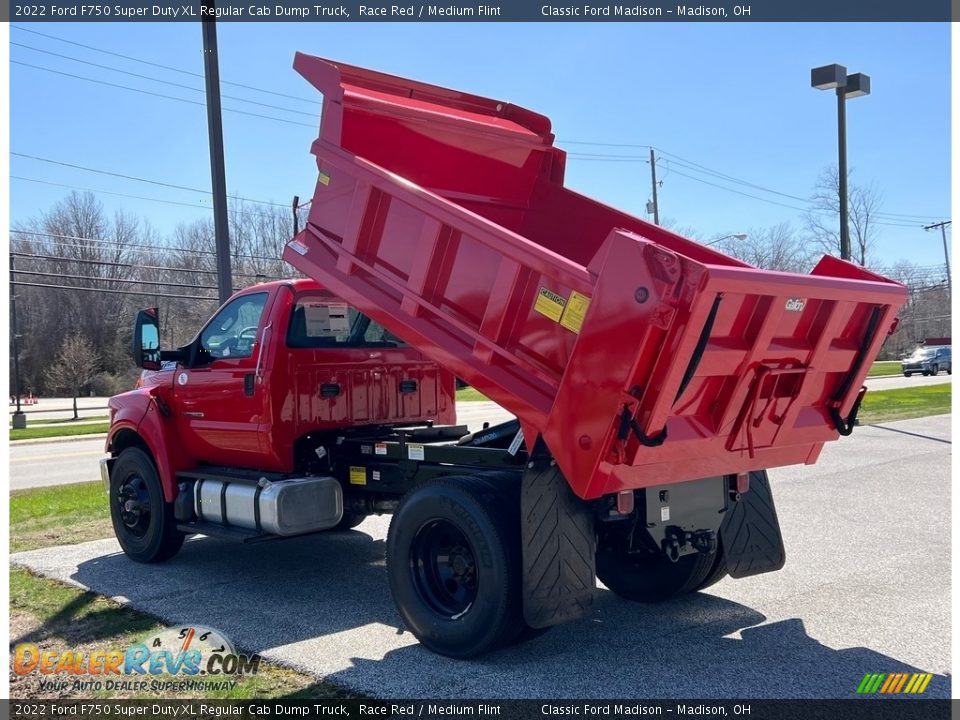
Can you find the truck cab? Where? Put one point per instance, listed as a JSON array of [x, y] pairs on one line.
[[277, 365]]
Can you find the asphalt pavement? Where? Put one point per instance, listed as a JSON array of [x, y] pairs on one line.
[[56, 462], [866, 588]]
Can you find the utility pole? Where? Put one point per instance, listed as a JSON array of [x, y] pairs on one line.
[[19, 417], [296, 220], [221, 226], [946, 255], [653, 180]]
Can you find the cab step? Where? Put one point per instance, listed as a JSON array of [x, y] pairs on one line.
[[226, 532]]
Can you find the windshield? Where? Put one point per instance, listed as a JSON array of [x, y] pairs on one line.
[[923, 354]]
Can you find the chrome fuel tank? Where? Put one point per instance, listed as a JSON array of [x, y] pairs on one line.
[[284, 507]]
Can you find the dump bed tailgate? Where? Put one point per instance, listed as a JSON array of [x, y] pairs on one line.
[[641, 357]]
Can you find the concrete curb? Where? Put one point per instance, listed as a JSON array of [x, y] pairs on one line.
[[58, 439]]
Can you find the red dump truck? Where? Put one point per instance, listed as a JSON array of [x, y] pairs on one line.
[[653, 380]]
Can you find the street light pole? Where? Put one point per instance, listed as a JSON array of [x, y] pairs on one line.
[[847, 86], [842, 170], [735, 236]]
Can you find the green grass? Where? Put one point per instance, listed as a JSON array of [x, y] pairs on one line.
[[884, 367], [61, 515], [903, 403], [51, 432], [468, 394], [59, 617]]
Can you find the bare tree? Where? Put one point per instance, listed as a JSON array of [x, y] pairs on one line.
[[927, 310], [75, 365], [778, 247], [823, 219]]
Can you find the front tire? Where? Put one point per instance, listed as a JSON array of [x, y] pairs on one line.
[[454, 565], [906, 374], [142, 520], [935, 370], [652, 577]]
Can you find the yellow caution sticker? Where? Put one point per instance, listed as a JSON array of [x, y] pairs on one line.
[[323, 178], [358, 476], [550, 304], [575, 311]]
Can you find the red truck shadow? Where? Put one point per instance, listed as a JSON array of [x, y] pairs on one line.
[[318, 591]]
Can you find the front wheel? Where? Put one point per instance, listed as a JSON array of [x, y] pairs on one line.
[[652, 577], [453, 561], [906, 374], [142, 520], [935, 370]]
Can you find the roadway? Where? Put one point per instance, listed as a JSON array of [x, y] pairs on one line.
[[57, 462], [866, 588]]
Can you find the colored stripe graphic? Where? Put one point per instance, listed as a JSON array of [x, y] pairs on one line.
[[894, 683]]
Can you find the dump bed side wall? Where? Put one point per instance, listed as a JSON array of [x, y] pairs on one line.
[[443, 217]]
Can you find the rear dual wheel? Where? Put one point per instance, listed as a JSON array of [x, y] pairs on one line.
[[454, 565], [652, 577]]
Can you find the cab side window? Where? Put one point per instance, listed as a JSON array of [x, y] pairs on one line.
[[233, 331], [321, 320]]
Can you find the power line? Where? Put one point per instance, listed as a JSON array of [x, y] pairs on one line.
[[38, 273], [159, 80], [312, 101], [143, 180], [692, 166], [154, 248], [155, 94], [115, 292], [110, 263], [127, 195]]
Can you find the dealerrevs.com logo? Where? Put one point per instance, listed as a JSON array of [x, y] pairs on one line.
[[176, 659]]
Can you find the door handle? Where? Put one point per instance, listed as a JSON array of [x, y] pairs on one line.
[[248, 384], [328, 390]]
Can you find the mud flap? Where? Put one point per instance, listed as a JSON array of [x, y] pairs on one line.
[[750, 533], [559, 545]]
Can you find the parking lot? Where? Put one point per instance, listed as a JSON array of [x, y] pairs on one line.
[[866, 588]]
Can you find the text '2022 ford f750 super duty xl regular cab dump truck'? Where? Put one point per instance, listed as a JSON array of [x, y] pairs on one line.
[[653, 380]]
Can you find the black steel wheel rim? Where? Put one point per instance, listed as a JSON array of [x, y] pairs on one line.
[[133, 503], [444, 569]]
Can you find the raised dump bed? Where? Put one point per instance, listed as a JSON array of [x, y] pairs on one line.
[[640, 356]]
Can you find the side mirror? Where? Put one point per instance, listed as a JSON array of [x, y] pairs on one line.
[[146, 339]]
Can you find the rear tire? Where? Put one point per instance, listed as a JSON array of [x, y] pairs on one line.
[[142, 520], [453, 561], [349, 521], [650, 577]]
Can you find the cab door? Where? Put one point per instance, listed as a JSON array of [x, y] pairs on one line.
[[219, 405]]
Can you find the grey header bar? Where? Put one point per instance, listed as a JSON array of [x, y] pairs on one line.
[[476, 11]]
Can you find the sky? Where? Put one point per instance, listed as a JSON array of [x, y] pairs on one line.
[[724, 104]]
